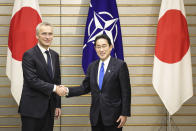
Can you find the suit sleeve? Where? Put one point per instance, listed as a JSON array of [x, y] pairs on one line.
[[125, 89], [84, 88], [58, 82], [30, 75]]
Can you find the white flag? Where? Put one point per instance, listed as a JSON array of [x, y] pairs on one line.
[[172, 71], [25, 17]]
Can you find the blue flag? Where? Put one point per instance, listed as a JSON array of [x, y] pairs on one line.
[[102, 19]]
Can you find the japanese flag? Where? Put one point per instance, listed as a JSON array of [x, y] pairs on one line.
[[172, 71], [25, 17]]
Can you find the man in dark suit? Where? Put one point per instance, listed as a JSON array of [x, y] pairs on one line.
[[108, 81], [41, 71]]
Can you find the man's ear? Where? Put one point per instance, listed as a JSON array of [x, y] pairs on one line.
[[36, 36], [111, 46]]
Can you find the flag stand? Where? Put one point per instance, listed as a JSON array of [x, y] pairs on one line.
[[171, 124]]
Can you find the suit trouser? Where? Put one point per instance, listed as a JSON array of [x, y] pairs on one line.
[[38, 124], [101, 127]]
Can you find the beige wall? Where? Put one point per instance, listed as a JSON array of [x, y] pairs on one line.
[[138, 21]]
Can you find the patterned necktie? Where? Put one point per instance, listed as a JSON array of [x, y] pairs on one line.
[[49, 64], [101, 75]]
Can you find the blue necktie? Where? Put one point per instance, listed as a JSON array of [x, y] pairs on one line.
[[101, 75], [49, 64]]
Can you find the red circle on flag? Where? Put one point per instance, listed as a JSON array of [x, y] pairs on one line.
[[22, 35], [172, 41]]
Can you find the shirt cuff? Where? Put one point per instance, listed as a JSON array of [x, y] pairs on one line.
[[67, 91], [54, 89]]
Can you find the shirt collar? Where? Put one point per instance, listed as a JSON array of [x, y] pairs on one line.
[[106, 61], [42, 49]]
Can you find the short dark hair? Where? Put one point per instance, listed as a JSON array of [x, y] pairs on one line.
[[103, 36]]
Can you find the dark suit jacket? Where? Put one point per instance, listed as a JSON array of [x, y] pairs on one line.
[[113, 99], [37, 95]]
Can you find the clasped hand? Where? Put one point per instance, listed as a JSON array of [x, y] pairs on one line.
[[61, 90]]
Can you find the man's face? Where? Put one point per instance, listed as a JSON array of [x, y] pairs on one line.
[[103, 49], [45, 36]]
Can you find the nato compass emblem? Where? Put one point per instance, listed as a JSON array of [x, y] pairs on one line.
[[102, 22]]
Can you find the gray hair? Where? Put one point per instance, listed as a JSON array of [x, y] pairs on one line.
[[42, 24]]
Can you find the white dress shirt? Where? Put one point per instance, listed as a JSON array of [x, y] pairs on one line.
[[106, 62]]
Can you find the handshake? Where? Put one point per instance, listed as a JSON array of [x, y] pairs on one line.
[[61, 90]]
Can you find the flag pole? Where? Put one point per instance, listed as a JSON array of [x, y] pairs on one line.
[[169, 122], [60, 121]]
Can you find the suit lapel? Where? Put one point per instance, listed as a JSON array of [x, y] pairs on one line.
[[96, 73], [41, 58]]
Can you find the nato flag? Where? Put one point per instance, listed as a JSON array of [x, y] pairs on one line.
[[102, 19]]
